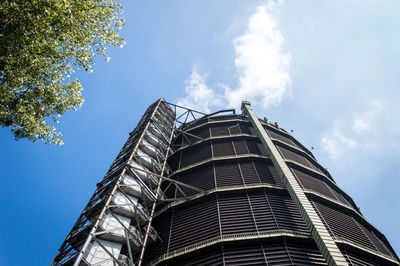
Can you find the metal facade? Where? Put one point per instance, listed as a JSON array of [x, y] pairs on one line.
[[213, 194]]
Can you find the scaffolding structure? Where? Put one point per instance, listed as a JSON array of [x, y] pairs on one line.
[[190, 188]]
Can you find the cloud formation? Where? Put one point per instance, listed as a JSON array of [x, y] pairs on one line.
[[197, 94], [262, 68], [366, 130]]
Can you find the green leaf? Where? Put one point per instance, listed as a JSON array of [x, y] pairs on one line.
[[41, 44]]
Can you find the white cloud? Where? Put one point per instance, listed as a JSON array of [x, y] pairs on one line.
[[371, 129], [360, 125], [337, 144], [198, 96], [262, 68]]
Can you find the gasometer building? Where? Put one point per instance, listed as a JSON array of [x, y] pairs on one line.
[[189, 188]]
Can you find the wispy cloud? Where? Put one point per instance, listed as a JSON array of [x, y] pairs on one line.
[[197, 94], [337, 144], [262, 68], [368, 130]]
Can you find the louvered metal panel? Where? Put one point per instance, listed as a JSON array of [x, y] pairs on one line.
[[194, 223], [245, 128], [214, 258], [262, 211], [223, 148], [343, 225], [236, 215], [303, 255], [195, 154], [201, 133], [379, 244], [228, 174], [255, 147], [240, 146], [313, 183], [281, 137], [202, 177], [268, 173], [163, 225], [249, 172], [358, 261], [220, 129], [286, 213]]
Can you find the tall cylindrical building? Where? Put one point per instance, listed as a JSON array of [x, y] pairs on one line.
[[229, 189]]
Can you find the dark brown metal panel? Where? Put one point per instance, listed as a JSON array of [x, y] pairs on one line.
[[255, 147], [268, 173], [228, 174], [196, 154], [286, 213], [358, 261], [240, 146], [245, 255], [249, 172], [313, 183], [163, 226], [379, 244], [201, 177], [194, 223], [304, 255], [220, 129], [343, 225], [236, 216], [262, 212], [281, 137], [213, 258], [223, 148]]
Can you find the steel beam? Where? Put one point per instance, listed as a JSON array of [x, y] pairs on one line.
[[319, 232]]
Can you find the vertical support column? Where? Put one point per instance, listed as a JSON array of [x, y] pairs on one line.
[[319, 232]]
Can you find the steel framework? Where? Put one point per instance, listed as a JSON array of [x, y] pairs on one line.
[[190, 188]]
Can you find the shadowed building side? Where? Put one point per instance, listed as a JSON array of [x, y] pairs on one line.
[[221, 189]]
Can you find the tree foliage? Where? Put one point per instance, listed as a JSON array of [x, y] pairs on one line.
[[41, 43]]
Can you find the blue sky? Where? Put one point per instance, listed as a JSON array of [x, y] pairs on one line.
[[326, 69]]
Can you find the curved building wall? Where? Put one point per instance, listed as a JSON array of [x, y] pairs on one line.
[[244, 214]]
